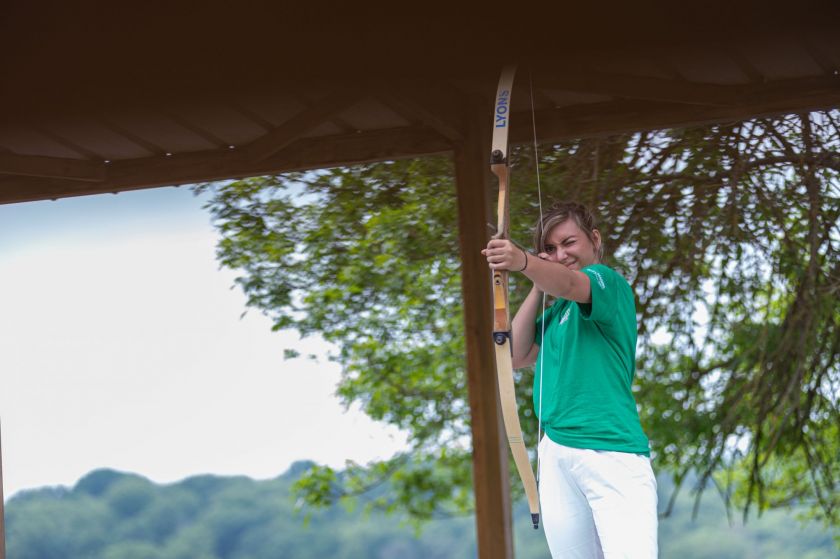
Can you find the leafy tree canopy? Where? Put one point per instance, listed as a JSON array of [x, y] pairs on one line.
[[729, 235]]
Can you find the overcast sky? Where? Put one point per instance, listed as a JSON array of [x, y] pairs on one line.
[[122, 346]]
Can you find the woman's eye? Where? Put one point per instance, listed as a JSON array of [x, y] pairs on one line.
[[549, 249]]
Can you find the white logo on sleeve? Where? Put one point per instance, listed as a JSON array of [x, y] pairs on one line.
[[565, 316], [599, 278]]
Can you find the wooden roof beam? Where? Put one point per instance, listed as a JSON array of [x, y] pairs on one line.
[[641, 88], [740, 60], [800, 94], [188, 168], [353, 149], [414, 110], [51, 167], [72, 146], [206, 135], [818, 55], [129, 136], [28, 189], [632, 116], [297, 126], [307, 103]]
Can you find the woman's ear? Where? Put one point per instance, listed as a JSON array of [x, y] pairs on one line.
[[596, 235]]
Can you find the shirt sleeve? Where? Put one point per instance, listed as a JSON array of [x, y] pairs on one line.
[[606, 288]]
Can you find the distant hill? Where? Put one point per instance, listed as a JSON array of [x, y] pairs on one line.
[[114, 515]]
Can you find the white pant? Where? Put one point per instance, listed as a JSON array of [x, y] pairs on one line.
[[597, 503]]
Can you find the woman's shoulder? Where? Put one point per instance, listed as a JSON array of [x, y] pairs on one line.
[[602, 273], [609, 282]]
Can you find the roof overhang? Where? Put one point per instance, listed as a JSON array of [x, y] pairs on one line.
[[114, 97]]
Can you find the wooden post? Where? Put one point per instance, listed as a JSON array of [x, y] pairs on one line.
[[2, 503], [490, 454]]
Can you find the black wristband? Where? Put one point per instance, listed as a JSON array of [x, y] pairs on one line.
[[526, 261]]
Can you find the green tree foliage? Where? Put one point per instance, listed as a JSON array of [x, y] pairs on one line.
[[239, 518], [208, 517], [728, 233]]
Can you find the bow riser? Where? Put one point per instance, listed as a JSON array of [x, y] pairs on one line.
[[501, 315], [501, 312]]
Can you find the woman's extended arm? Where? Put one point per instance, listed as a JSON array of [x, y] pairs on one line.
[[552, 277], [559, 281]]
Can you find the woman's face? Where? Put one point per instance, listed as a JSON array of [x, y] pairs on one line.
[[568, 244]]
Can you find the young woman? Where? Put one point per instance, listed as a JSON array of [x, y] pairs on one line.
[[597, 488]]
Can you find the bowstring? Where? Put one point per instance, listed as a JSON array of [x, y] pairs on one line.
[[542, 307]]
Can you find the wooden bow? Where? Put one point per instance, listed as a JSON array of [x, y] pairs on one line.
[[500, 167]]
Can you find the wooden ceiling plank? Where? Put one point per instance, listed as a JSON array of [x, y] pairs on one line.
[[823, 60], [340, 123], [130, 136], [354, 149], [740, 60], [640, 87], [666, 66], [414, 112], [250, 115], [69, 144], [51, 167], [295, 127], [195, 129]]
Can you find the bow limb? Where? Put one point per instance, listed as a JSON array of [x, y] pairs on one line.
[[501, 309]]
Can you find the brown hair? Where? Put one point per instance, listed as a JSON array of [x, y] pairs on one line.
[[560, 212]]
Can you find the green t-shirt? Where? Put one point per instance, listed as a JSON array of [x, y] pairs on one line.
[[589, 357]]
